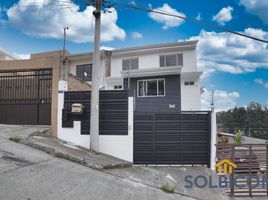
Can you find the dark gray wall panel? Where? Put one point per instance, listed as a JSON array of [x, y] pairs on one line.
[[157, 104]]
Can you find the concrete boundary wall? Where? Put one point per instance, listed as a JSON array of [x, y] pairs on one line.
[[36, 63], [120, 146]]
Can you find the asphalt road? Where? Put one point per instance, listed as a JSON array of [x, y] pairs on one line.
[[29, 174]]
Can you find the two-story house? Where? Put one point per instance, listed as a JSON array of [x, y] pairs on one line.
[[161, 78]]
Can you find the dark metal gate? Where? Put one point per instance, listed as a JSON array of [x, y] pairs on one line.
[[172, 138], [25, 97]]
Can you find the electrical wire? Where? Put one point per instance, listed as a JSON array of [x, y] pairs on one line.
[[194, 21]]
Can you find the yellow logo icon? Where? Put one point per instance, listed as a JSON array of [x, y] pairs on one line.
[[225, 166]]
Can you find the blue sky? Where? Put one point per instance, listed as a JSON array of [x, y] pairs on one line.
[[236, 68]]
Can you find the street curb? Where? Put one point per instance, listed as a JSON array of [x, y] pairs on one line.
[[72, 158]]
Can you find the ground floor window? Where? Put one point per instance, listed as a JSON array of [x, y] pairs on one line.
[[151, 88]]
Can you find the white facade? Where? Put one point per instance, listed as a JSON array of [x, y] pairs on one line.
[[149, 65], [4, 55]]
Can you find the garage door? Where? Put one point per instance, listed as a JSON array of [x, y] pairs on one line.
[[25, 97], [161, 138]]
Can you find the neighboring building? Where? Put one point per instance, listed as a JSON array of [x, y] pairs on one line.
[[162, 78], [4, 55]]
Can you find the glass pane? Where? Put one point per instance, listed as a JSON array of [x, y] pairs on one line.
[[171, 60], [161, 87], [88, 72], [80, 71], [180, 59], [152, 88], [135, 63], [126, 64], [141, 88], [162, 61]]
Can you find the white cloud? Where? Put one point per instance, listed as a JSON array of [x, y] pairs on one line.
[[257, 7], [230, 53], [167, 21], [23, 56], [136, 35], [48, 19], [107, 48], [198, 17], [222, 100], [133, 3], [261, 82], [223, 16]]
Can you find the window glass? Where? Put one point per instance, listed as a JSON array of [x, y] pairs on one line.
[[151, 88], [162, 61], [84, 72], [141, 88], [180, 59], [161, 87], [171, 60], [126, 64], [88, 72], [134, 63], [79, 71]]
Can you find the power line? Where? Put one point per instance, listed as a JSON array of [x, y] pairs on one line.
[[194, 21]]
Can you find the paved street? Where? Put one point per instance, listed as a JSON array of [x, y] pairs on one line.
[[29, 174]]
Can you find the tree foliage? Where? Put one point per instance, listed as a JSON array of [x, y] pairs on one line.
[[252, 120]]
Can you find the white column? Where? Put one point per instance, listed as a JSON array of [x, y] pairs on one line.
[[62, 87], [131, 126], [213, 140]]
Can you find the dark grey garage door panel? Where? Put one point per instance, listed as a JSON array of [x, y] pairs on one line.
[[167, 138]]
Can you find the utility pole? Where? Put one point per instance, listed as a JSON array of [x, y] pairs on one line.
[[64, 71], [212, 101], [94, 112]]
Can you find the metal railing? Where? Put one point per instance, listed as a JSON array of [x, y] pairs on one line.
[[250, 177]]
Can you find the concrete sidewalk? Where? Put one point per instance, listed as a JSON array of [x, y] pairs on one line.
[[62, 149]]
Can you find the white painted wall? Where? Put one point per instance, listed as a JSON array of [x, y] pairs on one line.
[[190, 95], [71, 135], [117, 145], [149, 61], [114, 145], [213, 140]]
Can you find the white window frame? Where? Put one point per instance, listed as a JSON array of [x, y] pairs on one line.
[[171, 54], [155, 79], [130, 58]]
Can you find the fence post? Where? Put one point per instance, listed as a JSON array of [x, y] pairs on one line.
[[213, 140], [266, 167], [232, 174], [250, 171]]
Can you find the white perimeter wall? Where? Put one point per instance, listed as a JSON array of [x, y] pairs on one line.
[[120, 146], [190, 95]]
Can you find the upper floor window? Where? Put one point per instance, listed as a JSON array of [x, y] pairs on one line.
[[84, 72], [151, 88], [171, 60], [187, 83], [129, 64]]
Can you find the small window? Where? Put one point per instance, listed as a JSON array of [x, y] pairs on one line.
[[151, 88], [187, 83], [129, 64], [118, 87], [171, 60], [84, 72]]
